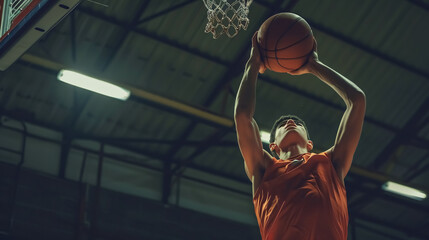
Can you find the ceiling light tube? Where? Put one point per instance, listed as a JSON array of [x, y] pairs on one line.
[[265, 136], [404, 190], [93, 84]]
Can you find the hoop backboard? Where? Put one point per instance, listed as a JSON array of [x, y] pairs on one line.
[[13, 12], [23, 22]]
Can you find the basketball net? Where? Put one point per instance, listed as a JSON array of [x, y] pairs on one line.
[[225, 17]]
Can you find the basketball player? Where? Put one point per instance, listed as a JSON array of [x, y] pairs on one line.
[[298, 195]]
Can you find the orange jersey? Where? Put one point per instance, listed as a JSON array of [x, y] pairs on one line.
[[302, 202]]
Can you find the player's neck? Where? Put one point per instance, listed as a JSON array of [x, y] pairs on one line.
[[292, 151]]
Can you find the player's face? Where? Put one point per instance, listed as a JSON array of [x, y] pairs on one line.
[[291, 132]]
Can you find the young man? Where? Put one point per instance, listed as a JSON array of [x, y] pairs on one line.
[[300, 195]]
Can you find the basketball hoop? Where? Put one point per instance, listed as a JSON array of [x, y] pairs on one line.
[[226, 16]]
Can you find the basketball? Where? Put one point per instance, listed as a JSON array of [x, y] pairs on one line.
[[285, 42]]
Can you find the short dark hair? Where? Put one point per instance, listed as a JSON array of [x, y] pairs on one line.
[[296, 119]]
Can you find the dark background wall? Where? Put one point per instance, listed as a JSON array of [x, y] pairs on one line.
[[47, 207]]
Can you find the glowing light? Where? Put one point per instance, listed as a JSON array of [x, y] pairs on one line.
[[404, 190], [93, 84], [265, 136]]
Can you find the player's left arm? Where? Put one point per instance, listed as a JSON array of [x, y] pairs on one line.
[[350, 127]]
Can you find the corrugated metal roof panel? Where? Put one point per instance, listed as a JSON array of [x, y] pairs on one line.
[[395, 214], [370, 230], [188, 25], [382, 83], [159, 59], [424, 132], [95, 43], [386, 25], [123, 10], [422, 178], [165, 70], [36, 93], [141, 122], [407, 160], [227, 160]]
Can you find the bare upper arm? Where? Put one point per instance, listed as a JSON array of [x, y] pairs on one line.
[[348, 135], [250, 144]]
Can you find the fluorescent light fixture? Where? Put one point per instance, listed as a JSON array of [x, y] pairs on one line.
[[93, 84], [265, 136], [404, 190]]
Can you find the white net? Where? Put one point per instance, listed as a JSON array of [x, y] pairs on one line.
[[226, 16]]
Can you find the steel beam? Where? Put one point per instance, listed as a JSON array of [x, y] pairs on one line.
[[95, 216], [165, 11], [190, 110], [225, 63], [410, 129], [370, 175], [419, 143], [153, 36], [230, 74], [210, 141], [420, 4], [316, 26], [124, 36], [294, 90], [362, 46], [372, 51], [390, 225], [57, 64], [140, 95], [73, 35], [65, 149], [47, 64], [378, 193], [190, 143], [417, 169], [377, 231]]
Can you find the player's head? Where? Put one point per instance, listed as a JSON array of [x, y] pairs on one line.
[[287, 130]]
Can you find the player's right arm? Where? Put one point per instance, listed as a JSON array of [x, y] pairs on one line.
[[248, 135]]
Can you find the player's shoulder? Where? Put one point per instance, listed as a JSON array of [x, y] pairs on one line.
[[328, 153], [268, 159]]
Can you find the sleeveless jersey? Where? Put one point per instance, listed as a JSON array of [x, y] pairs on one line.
[[301, 202]]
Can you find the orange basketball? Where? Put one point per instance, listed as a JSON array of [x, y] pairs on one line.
[[285, 42]]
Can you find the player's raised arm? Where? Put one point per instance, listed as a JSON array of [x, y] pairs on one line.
[[350, 127], [247, 130]]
